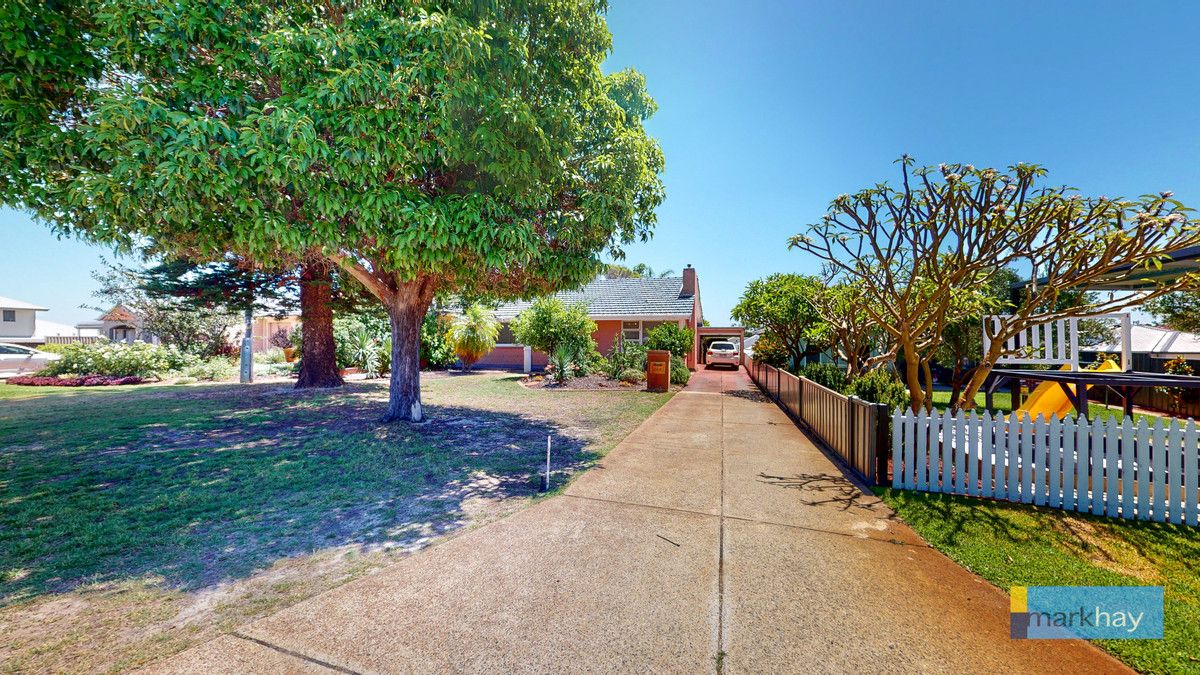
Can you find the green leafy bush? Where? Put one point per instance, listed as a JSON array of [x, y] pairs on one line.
[[771, 351], [215, 369], [436, 348], [679, 370], [671, 337], [632, 375], [624, 356], [562, 363], [138, 359], [271, 356], [880, 385], [549, 323], [829, 375]]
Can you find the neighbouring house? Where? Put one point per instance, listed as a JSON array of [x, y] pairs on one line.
[[264, 327], [627, 307], [119, 324], [20, 324], [1151, 347]]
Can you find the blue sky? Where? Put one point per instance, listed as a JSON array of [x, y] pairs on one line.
[[770, 109]]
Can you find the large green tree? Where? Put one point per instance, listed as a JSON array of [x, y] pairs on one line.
[[452, 146], [782, 305]]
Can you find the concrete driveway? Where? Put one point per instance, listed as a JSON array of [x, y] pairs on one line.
[[716, 537]]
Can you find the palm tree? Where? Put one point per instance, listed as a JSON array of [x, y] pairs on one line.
[[474, 334]]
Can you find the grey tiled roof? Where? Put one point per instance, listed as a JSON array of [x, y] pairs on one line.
[[619, 297]]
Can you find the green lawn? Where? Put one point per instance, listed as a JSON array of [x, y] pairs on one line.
[[1002, 402], [1019, 545], [220, 503]]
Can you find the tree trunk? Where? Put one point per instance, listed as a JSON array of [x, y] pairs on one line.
[[318, 351], [912, 375], [982, 370], [406, 312]]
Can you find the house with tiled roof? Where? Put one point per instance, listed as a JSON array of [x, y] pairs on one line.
[[630, 307], [119, 324]]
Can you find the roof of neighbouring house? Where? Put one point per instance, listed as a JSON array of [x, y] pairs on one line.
[[617, 298], [119, 313], [1156, 341], [9, 303]]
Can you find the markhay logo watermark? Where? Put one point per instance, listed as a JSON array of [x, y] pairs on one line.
[[1090, 612]]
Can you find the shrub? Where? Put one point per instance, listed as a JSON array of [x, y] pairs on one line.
[[271, 356], [880, 385], [827, 375], [771, 351], [548, 323], [679, 370], [118, 359], [363, 351], [436, 347], [216, 369], [624, 356], [474, 334], [88, 381], [632, 375], [55, 347], [281, 338], [562, 363], [671, 337]]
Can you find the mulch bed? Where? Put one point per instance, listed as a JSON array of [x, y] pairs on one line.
[[85, 381]]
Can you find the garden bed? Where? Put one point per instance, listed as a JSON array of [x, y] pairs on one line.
[[81, 381], [585, 383]]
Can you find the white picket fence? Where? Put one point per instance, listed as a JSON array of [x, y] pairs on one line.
[[1118, 469]]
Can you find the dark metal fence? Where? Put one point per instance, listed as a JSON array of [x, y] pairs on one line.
[[855, 430]]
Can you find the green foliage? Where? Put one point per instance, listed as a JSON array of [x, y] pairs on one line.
[[671, 337], [770, 350], [436, 347], [880, 385], [679, 370], [215, 369], [474, 334], [194, 330], [458, 147], [632, 375], [1179, 311], [550, 327], [624, 356], [828, 375], [118, 359], [562, 363], [364, 349], [271, 356], [782, 305]]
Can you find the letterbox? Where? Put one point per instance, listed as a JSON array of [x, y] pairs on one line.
[[658, 370]]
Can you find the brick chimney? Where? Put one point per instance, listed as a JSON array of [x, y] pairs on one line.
[[689, 282]]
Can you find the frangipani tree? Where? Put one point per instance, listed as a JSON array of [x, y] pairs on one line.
[[921, 253], [454, 146]]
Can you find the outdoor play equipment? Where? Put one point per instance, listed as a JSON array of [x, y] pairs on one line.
[[1049, 398]]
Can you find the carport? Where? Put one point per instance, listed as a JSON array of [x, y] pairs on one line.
[[707, 334]]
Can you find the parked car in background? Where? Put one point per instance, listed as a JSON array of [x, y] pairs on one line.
[[17, 359], [723, 353]]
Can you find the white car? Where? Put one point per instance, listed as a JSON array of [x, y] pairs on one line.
[[723, 353], [19, 360]]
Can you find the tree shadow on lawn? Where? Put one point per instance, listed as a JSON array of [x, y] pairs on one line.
[[261, 477]]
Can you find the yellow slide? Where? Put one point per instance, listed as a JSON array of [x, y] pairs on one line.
[[1048, 398]]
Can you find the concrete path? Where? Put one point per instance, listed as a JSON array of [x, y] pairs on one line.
[[716, 537]]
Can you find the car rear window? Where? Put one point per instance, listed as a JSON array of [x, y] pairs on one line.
[[722, 345]]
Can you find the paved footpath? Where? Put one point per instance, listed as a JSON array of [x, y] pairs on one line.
[[716, 537]]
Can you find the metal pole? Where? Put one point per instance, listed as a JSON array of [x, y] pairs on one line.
[[247, 374], [547, 488]]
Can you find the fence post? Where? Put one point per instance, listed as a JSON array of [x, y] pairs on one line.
[[883, 449], [851, 445]]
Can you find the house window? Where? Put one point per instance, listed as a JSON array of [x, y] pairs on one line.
[[631, 331], [120, 334], [10, 315]]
